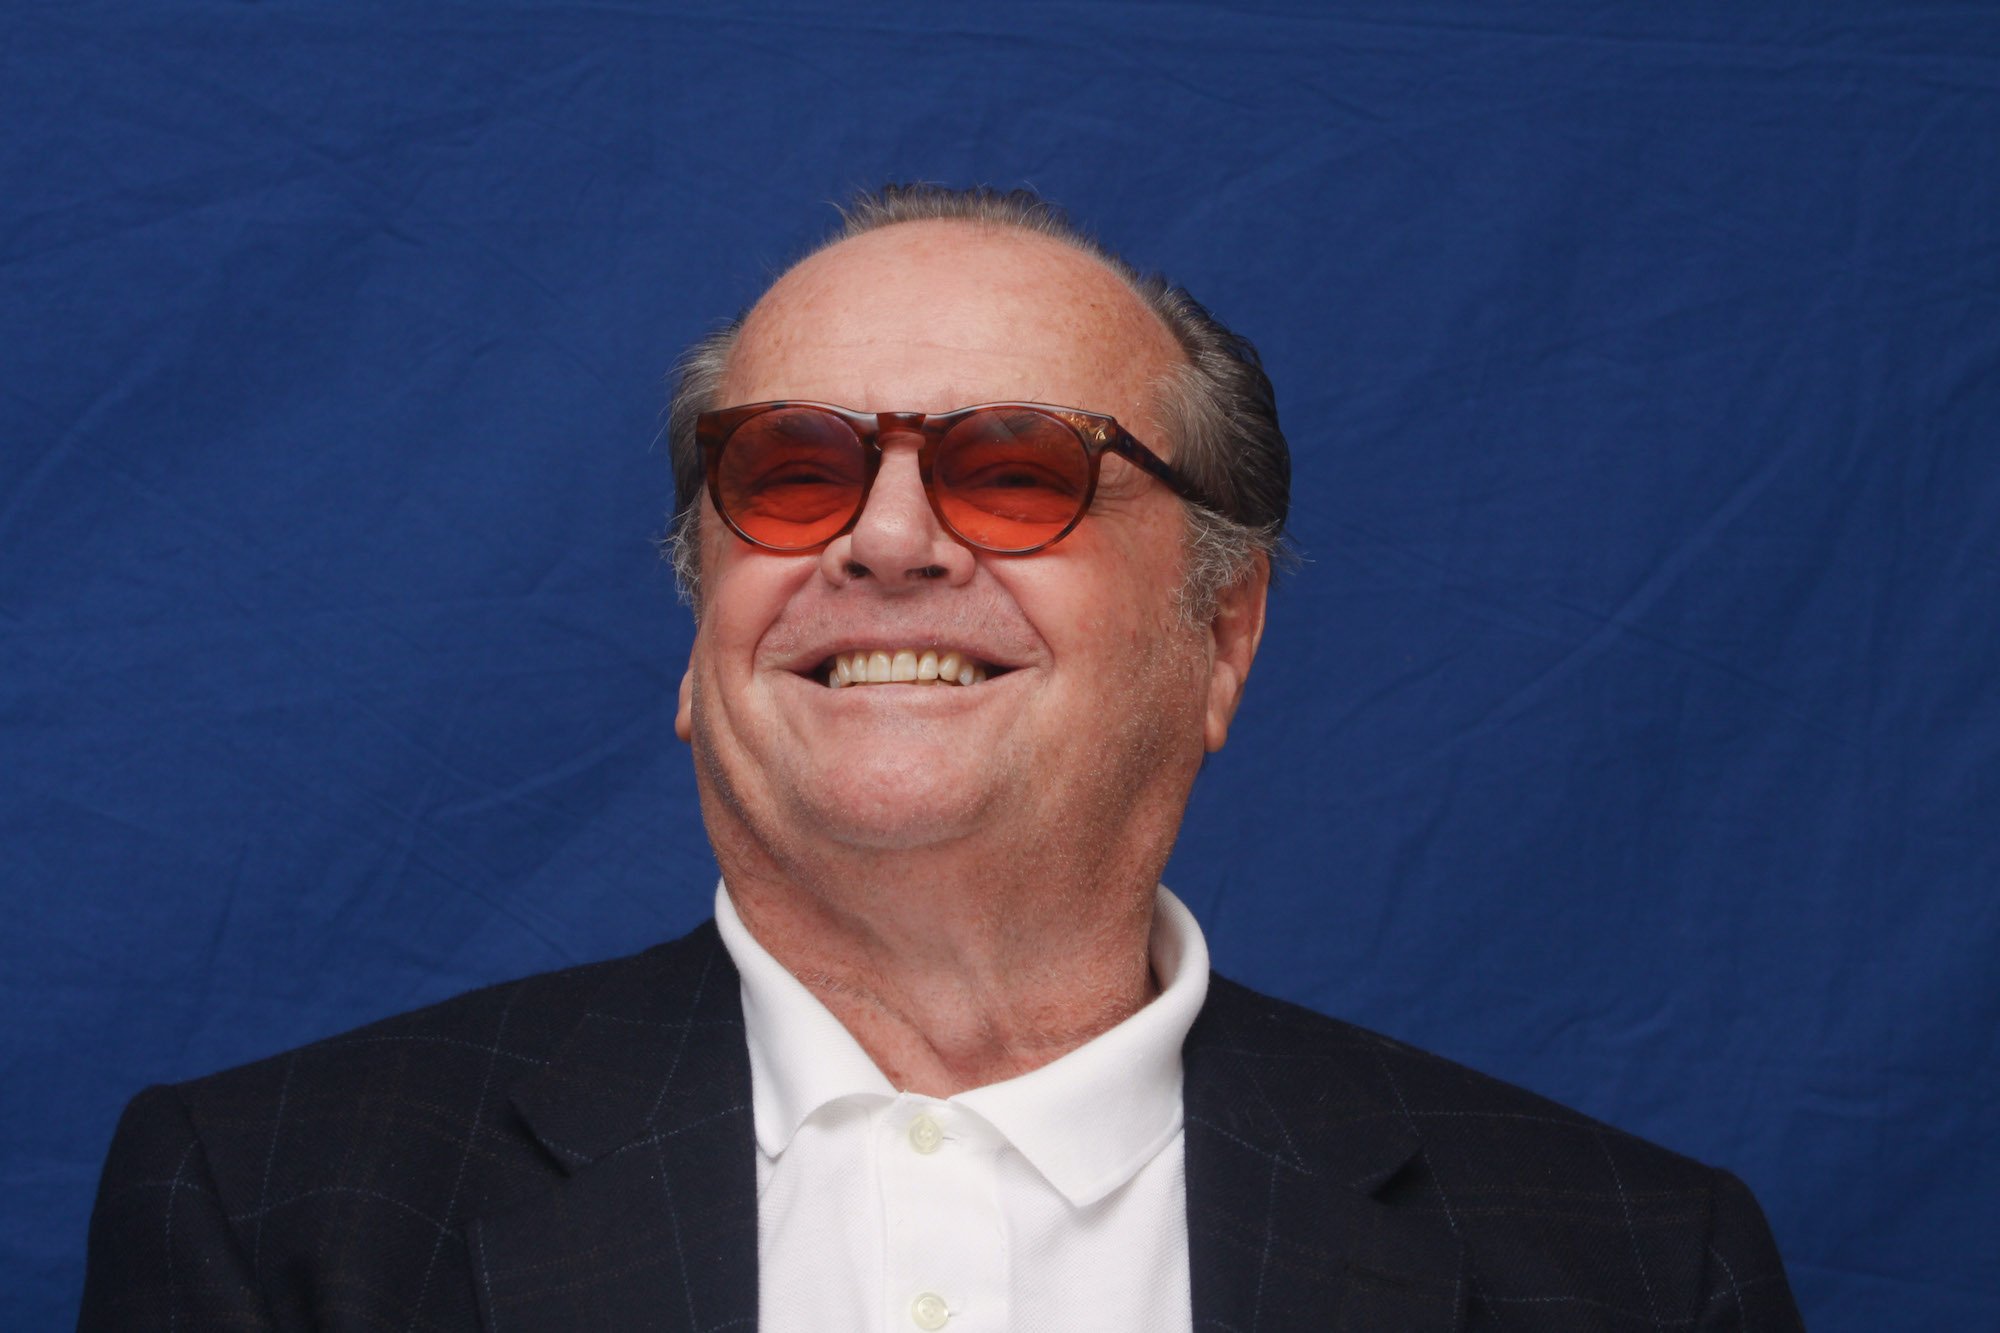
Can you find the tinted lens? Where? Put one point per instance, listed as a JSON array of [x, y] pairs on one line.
[[790, 478], [1011, 480]]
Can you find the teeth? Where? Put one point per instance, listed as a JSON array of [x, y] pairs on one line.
[[882, 667]]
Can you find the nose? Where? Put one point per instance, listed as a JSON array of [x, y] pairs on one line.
[[897, 542]]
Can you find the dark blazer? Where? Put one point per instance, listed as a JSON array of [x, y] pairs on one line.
[[574, 1151]]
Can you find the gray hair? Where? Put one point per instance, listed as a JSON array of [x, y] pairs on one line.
[[1218, 408]]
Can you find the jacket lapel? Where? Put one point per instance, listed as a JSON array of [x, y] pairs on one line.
[[1292, 1146], [652, 1221]]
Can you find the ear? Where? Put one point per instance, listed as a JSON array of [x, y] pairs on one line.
[[684, 714], [1234, 634]]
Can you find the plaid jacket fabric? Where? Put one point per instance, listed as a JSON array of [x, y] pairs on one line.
[[574, 1151]]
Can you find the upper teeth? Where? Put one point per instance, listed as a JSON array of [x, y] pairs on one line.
[[882, 667]]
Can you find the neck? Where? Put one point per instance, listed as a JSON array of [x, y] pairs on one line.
[[948, 979]]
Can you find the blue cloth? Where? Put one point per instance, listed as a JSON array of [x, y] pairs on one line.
[[1630, 732]]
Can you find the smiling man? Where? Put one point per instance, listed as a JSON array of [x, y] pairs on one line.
[[977, 524], [965, 870]]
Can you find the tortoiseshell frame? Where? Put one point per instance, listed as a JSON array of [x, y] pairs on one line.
[[1097, 434]]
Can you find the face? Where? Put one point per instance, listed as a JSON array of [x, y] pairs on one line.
[[1096, 701]]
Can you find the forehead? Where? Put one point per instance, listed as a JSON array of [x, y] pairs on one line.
[[928, 316]]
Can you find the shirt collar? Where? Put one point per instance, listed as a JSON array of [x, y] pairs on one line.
[[1087, 1122], [801, 1057]]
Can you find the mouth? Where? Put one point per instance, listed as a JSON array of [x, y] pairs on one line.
[[904, 666]]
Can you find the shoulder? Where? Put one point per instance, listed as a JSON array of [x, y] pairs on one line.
[[404, 1091], [422, 1070], [1552, 1208], [1465, 1120], [350, 1165]]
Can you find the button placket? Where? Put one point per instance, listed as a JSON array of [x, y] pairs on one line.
[[946, 1264]]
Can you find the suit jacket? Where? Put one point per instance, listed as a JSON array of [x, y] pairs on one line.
[[574, 1151]]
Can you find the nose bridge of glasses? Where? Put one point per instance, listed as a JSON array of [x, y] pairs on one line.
[[898, 462], [900, 428], [891, 423]]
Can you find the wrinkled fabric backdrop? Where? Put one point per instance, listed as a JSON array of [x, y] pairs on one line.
[[1628, 732]]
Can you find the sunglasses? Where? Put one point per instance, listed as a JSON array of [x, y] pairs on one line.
[[1010, 478]]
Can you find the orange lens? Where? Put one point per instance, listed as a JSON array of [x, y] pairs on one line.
[[1011, 480], [791, 478]]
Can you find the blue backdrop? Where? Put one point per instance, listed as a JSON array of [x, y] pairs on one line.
[[1629, 733]]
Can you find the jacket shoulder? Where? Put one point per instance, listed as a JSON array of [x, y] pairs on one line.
[[509, 1028], [340, 1164], [1468, 1122], [1560, 1215], [406, 1080]]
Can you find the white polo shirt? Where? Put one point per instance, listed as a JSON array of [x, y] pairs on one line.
[[1055, 1200]]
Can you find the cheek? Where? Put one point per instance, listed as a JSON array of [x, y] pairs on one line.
[[742, 593], [1111, 620]]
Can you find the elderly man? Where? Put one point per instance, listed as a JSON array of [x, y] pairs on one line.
[[977, 525]]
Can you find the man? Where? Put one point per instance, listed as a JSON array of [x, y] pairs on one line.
[[948, 1057]]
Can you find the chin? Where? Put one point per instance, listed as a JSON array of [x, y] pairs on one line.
[[904, 812]]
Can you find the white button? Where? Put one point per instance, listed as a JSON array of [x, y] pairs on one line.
[[925, 1136], [929, 1310]]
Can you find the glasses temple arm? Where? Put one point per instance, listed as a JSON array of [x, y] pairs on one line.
[[1140, 456]]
